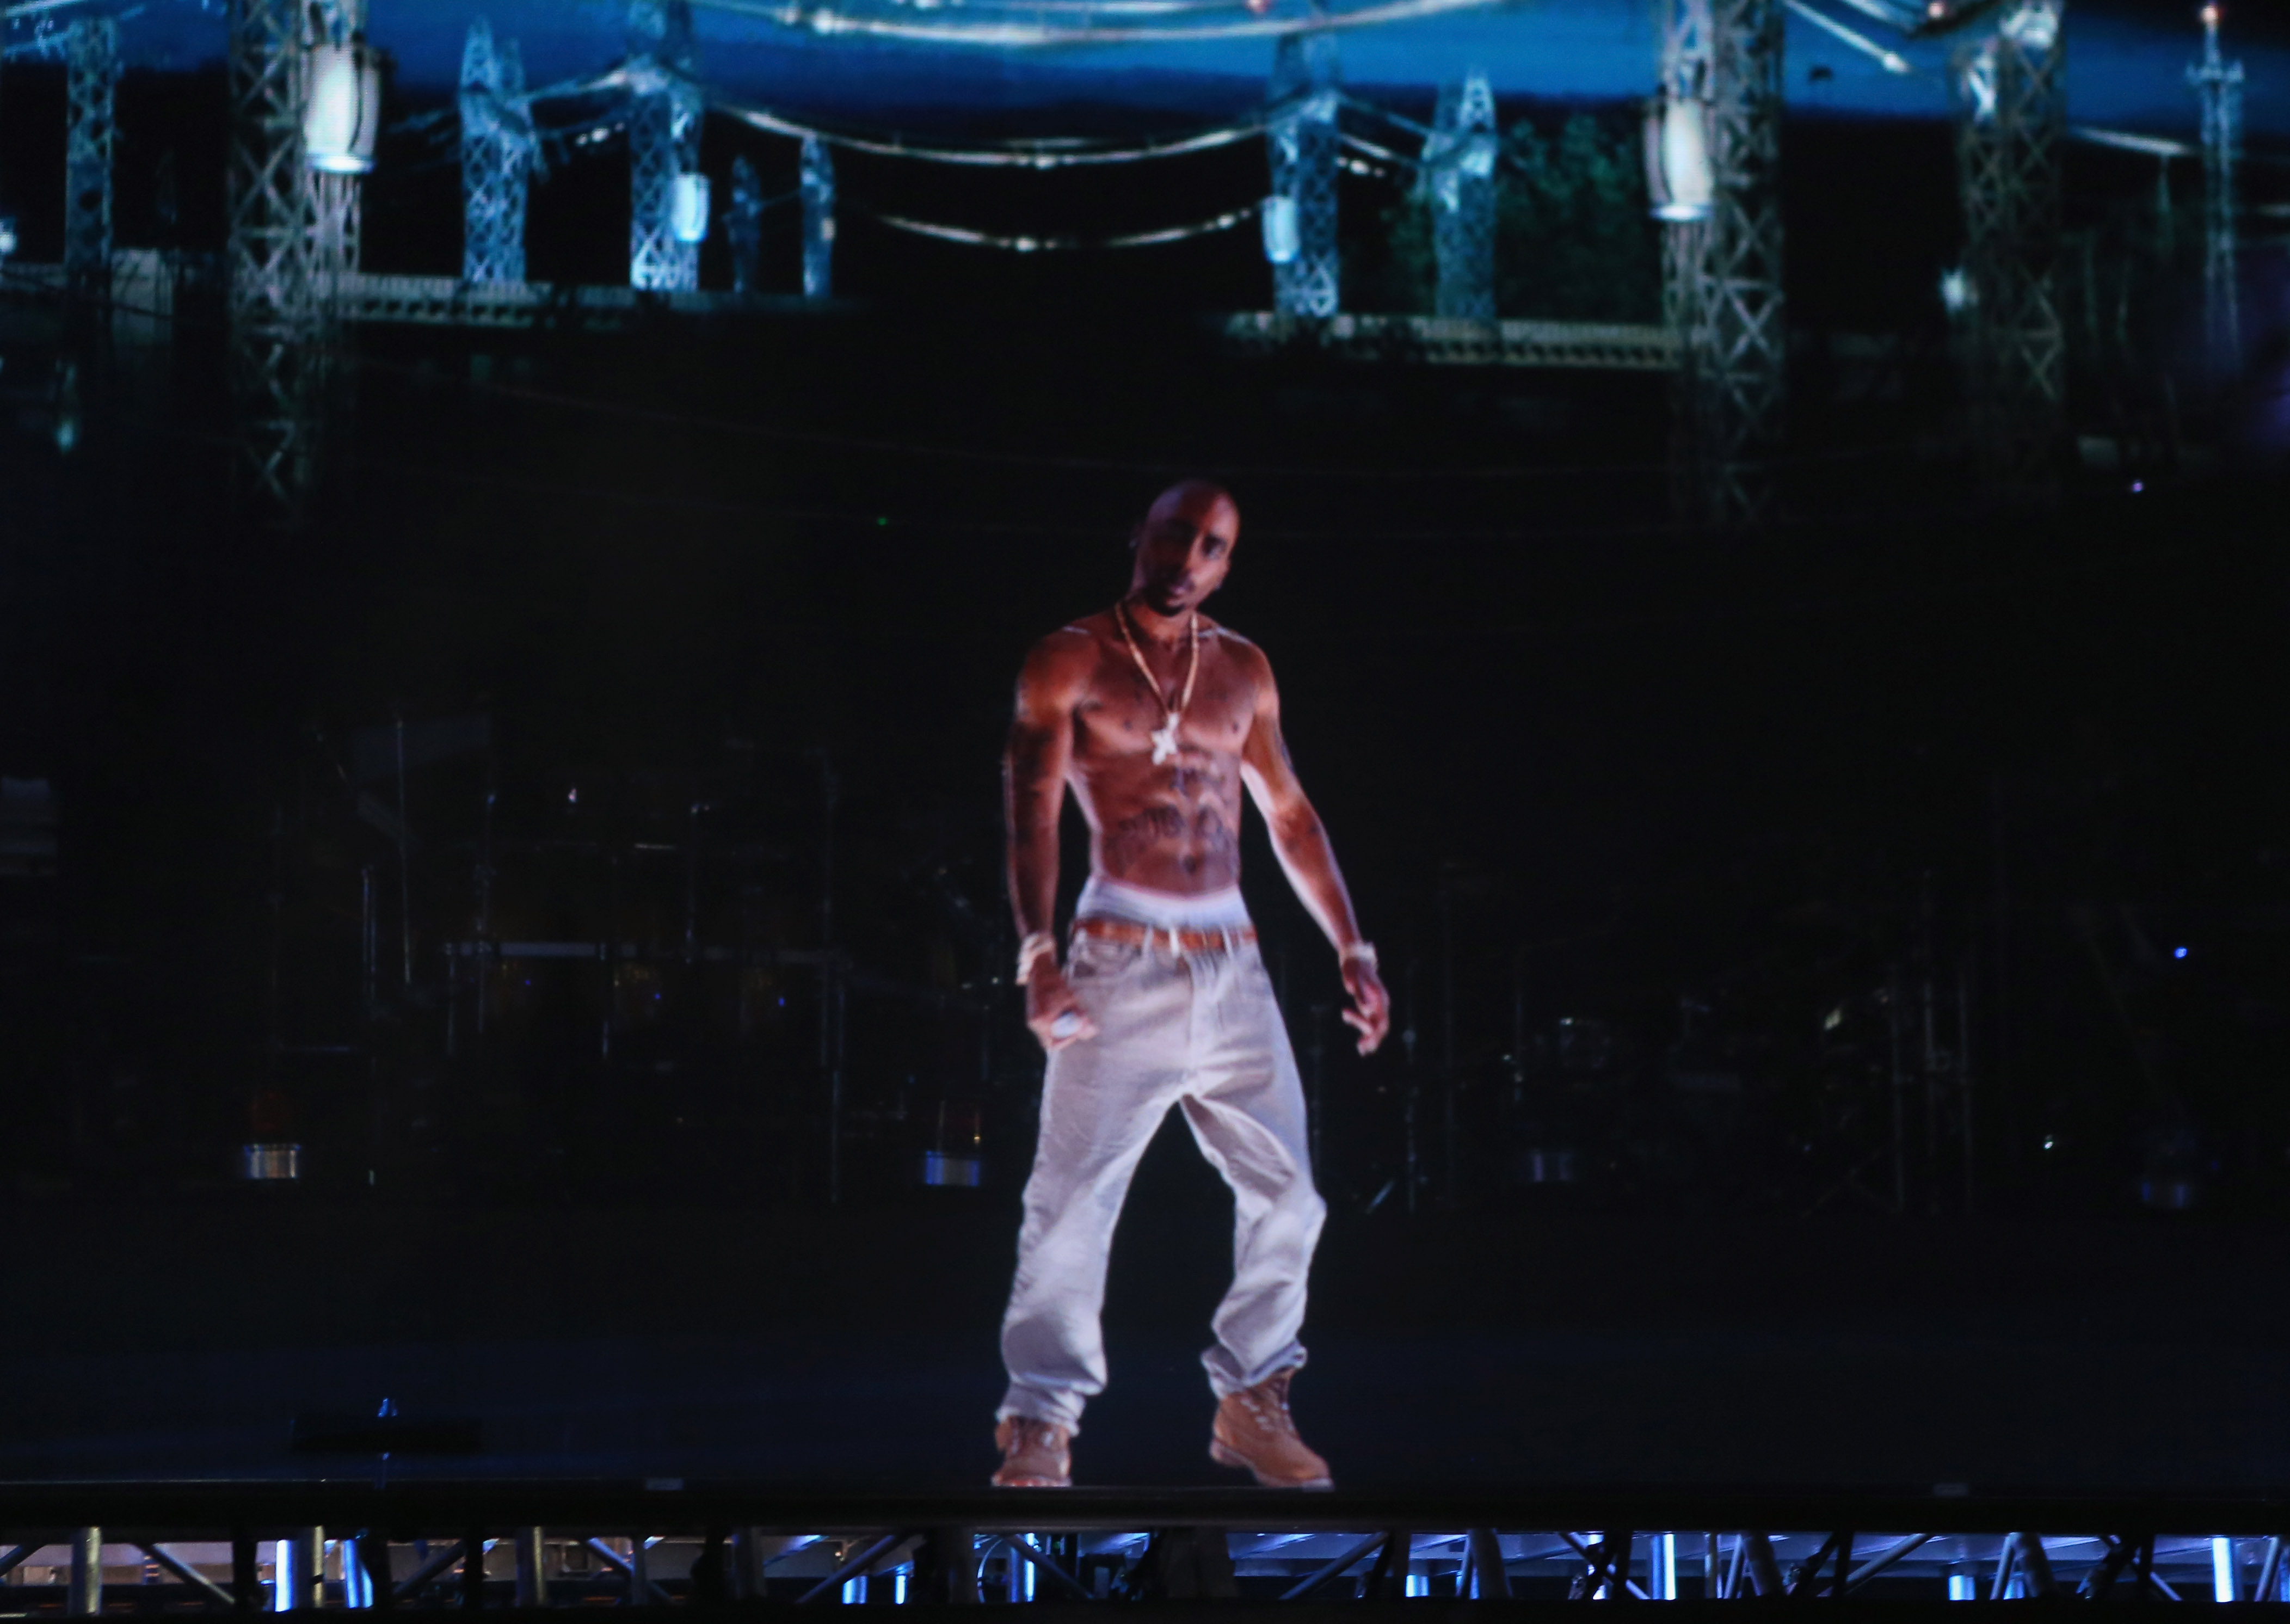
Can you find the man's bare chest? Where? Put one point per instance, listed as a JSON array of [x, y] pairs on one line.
[[1120, 714]]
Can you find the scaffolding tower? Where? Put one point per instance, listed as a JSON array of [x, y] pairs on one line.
[[665, 110], [1458, 173], [1303, 152], [818, 187], [499, 152], [91, 81], [276, 318], [2011, 89], [1722, 293], [743, 224], [2218, 83]]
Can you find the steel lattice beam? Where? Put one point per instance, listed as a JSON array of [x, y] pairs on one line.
[[744, 227], [2219, 84], [665, 110], [2012, 114], [818, 219], [498, 156], [1303, 152], [1722, 274], [275, 315], [1459, 175], [91, 78]]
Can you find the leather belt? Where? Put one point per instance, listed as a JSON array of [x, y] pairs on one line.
[[1129, 933]]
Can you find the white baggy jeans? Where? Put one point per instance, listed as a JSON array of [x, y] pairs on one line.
[[1199, 1031]]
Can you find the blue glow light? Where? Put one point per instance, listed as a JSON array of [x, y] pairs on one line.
[[2178, 953]]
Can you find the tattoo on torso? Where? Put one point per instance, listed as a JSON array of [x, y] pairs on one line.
[[1175, 825]]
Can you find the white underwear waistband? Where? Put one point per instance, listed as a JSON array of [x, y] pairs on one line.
[[1164, 910]]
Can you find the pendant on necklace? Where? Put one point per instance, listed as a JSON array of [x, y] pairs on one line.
[[1165, 741]]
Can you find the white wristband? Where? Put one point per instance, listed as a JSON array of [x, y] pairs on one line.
[[1040, 944], [1359, 952]]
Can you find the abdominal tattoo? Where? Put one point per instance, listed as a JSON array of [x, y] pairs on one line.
[[1204, 835]]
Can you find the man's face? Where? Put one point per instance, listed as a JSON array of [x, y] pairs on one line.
[[1184, 548]]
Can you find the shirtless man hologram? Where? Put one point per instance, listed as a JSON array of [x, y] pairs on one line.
[[1155, 717]]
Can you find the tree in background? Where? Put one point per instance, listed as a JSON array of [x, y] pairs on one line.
[[1574, 239]]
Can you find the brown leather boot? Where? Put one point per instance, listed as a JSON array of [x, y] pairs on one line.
[[1254, 1431], [1035, 1454]]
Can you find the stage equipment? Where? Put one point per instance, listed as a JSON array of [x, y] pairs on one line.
[[499, 155], [956, 1156], [269, 1164], [1678, 181], [744, 225], [688, 208], [1459, 177], [2011, 89], [818, 186], [343, 115], [91, 81], [1303, 148], [2219, 84], [1723, 272], [665, 108]]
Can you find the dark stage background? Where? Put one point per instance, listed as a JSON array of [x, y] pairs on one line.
[[1658, 834]]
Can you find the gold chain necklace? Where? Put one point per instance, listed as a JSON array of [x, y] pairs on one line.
[[1165, 737]]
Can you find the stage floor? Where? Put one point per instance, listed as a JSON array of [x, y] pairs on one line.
[[859, 1351]]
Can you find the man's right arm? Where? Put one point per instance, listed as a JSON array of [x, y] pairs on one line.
[[1033, 795]]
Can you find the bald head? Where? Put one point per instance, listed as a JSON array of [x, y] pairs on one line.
[[1184, 546]]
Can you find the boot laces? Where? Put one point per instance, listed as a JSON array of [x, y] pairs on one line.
[[1266, 1403]]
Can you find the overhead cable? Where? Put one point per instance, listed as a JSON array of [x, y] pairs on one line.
[[2153, 145], [1386, 114], [1018, 36], [1360, 144], [1892, 62], [1061, 244], [1891, 13], [1041, 155]]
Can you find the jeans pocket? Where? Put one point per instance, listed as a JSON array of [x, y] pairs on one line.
[[1095, 959]]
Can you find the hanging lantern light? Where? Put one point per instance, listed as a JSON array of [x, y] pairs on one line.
[[343, 114], [1282, 239], [687, 207], [1678, 176]]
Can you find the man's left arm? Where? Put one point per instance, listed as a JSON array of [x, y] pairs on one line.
[[1310, 861]]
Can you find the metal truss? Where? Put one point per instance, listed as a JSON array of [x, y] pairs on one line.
[[2011, 87], [276, 320], [499, 154], [1304, 149], [1443, 341], [577, 1545], [2218, 83], [743, 224], [1458, 179], [818, 186], [1722, 274], [92, 80], [665, 109], [293, 245]]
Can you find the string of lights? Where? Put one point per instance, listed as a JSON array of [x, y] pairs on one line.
[[1013, 155], [1061, 244]]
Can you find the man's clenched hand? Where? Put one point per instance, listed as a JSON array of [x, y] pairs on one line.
[[1050, 1001], [1370, 1014]]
